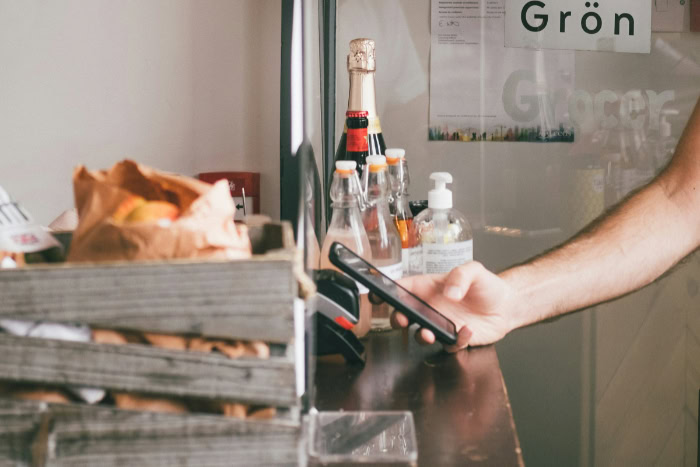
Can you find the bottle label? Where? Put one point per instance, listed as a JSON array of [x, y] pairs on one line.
[[375, 126], [441, 259], [394, 272], [357, 140], [412, 261]]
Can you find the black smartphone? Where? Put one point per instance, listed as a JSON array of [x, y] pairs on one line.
[[404, 301]]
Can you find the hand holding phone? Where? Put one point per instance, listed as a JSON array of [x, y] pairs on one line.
[[404, 301]]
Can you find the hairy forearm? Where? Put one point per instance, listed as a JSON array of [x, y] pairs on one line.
[[628, 249]]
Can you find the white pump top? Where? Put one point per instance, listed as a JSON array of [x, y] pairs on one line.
[[345, 165], [440, 197], [395, 153]]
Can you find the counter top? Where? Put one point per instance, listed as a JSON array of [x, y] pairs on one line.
[[459, 402]]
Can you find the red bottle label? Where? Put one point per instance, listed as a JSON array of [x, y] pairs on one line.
[[357, 140]]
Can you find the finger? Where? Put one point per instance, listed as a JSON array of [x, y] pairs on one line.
[[463, 337], [425, 337], [375, 299], [421, 285], [398, 320], [459, 280]]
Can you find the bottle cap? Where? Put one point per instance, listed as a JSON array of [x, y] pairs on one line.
[[345, 167], [376, 163], [440, 197], [356, 114], [394, 155], [362, 55]]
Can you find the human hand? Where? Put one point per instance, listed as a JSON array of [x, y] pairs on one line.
[[476, 300]]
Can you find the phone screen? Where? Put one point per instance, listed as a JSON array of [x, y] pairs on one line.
[[395, 290]]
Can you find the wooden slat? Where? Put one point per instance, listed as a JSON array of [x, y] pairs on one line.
[[85, 435], [137, 368], [250, 299]]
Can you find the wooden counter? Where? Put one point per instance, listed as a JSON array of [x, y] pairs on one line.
[[459, 402]]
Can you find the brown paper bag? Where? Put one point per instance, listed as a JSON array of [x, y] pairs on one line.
[[204, 228]]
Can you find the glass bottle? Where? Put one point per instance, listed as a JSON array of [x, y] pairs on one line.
[[411, 255], [361, 68], [384, 239], [347, 228]]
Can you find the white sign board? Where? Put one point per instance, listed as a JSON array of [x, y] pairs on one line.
[[600, 25]]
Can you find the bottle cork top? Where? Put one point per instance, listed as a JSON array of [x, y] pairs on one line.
[[361, 55]]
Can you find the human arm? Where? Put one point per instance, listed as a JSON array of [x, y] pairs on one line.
[[628, 249]]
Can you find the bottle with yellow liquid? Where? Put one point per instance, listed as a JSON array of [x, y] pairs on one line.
[[411, 253]]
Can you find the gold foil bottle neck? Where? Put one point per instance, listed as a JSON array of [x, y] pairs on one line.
[[362, 55]]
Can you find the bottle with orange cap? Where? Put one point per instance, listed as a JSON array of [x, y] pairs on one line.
[[347, 227], [411, 253], [384, 238]]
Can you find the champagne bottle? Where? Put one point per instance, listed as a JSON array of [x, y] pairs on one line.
[[361, 69]]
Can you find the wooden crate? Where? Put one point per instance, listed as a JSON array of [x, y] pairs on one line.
[[249, 300]]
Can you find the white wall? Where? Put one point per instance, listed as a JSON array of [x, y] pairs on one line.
[[236, 65], [166, 82]]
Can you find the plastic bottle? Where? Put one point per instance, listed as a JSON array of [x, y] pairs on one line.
[[444, 233], [411, 253], [347, 228], [384, 239]]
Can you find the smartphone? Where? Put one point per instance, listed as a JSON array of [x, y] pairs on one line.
[[415, 309]]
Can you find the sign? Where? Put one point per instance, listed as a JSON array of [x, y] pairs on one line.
[[599, 25], [481, 91]]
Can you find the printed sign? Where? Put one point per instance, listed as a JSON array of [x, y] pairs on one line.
[[600, 25], [481, 91]]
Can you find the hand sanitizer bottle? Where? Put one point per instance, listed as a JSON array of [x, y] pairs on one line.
[[444, 233]]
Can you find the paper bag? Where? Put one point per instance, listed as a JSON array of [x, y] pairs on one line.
[[204, 228]]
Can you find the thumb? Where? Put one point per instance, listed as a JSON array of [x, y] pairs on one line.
[[459, 280], [463, 337]]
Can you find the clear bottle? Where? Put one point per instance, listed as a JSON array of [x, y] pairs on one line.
[[384, 239], [444, 233], [411, 253], [347, 228]]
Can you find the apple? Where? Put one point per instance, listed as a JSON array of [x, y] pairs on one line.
[[153, 211], [126, 206]]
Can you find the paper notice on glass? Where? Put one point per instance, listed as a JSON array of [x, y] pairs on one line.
[[482, 91]]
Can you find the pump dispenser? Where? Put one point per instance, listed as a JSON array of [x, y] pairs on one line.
[[440, 197], [443, 232]]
